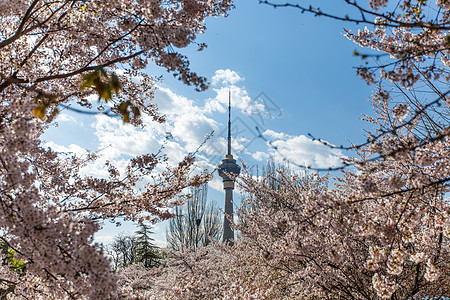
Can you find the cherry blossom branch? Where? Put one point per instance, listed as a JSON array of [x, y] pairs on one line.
[[18, 32], [382, 196], [82, 70], [30, 29], [112, 43], [30, 54], [89, 112], [382, 133], [387, 21], [13, 80]]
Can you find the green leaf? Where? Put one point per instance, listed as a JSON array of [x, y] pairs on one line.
[[115, 84], [136, 111], [123, 107], [126, 117], [40, 111], [89, 80], [447, 39]]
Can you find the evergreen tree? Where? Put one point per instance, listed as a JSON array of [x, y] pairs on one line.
[[146, 251]]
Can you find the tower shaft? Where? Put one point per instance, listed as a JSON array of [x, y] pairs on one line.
[[228, 232]]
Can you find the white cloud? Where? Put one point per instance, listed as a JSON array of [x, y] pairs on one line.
[[240, 99], [276, 135], [226, 77], [216, 183], [170, 103], [63, 117], [104, 239], [72, 149], [260, 156], [187, 122], [120, 139], [300, 150]]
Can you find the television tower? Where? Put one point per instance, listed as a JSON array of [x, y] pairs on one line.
[[228, 170]]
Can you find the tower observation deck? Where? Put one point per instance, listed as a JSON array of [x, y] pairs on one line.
[[228, 170]]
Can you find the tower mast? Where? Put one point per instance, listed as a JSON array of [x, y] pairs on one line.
[[229, 122]]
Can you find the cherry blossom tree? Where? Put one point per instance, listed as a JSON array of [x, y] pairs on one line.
[[54, 54], [380, 232], [216, 271]]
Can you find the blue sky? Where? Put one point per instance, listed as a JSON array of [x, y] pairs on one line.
[[303, 63], [300, 65]]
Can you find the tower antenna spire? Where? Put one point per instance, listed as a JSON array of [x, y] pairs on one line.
[[229, 122]]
